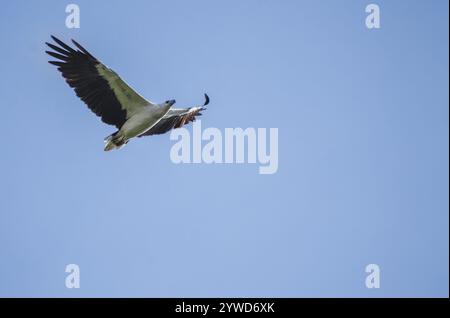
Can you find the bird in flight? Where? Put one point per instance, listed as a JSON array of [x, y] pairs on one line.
[[110, 98]]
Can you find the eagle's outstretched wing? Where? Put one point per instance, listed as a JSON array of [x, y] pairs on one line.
[[103, 91], [176, 118]]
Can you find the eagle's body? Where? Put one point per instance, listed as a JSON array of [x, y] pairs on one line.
[[137, 125], [109, 97]]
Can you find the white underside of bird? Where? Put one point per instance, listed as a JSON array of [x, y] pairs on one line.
[[136, 125]]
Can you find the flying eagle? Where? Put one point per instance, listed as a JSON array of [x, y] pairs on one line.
[[110, 98]]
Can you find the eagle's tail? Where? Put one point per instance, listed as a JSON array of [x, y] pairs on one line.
[[114, 141]]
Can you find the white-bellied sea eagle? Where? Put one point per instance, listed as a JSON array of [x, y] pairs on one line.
[[110, 98]]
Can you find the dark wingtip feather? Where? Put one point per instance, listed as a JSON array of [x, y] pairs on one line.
[[206, 100], [54, 38], [82, 49], [58, 49], [58, 56], [62, 44], [56, 63]]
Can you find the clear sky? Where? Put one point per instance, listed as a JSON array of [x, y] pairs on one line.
[[363, 176]]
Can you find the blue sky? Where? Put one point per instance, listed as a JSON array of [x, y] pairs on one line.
[[363, 152]]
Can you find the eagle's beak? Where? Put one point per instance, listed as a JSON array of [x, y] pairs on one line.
[[171, 102]]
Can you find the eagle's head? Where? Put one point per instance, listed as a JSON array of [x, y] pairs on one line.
[[169, 103]]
